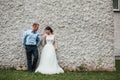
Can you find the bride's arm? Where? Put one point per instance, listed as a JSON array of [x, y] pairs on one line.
[[55, 43], [43, 40]]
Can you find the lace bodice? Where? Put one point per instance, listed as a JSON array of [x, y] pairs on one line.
[[50, 39]]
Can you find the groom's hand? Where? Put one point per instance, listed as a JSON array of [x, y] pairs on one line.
[[24, 46]]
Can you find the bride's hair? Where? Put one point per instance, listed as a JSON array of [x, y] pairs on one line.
[[49, 28]]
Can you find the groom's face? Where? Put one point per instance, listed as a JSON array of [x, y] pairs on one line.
[[35, 27]]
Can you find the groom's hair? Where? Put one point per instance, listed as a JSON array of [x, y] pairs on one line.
[[35, 24]]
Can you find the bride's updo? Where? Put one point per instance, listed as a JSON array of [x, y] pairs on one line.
[[49, 28]]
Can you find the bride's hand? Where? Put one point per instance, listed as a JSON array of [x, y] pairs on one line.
[[44, 35], [56, 49]]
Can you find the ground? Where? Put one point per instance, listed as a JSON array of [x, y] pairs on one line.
[[24, 75]]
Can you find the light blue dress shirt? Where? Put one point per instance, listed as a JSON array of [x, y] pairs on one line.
[[31, 38]]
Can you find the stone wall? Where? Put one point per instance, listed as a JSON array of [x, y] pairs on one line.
[[117, 32], [83, 28]]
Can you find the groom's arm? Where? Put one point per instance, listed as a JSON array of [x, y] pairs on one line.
[[38, 40], [24, 38]]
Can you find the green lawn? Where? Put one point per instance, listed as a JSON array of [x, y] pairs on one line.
[[24, 75]]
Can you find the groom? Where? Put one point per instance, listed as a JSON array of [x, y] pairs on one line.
[[31, 41]]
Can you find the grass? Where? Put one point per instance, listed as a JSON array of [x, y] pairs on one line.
[[24, 75]]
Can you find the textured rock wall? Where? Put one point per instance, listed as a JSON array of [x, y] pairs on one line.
[[83, 28], [117, 32]]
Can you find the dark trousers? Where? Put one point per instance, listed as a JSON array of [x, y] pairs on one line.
[[31, 50]]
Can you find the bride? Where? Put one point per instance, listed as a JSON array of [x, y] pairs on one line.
[[48, 61]]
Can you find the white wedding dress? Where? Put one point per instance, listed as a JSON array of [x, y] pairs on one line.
[[48, 62]]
